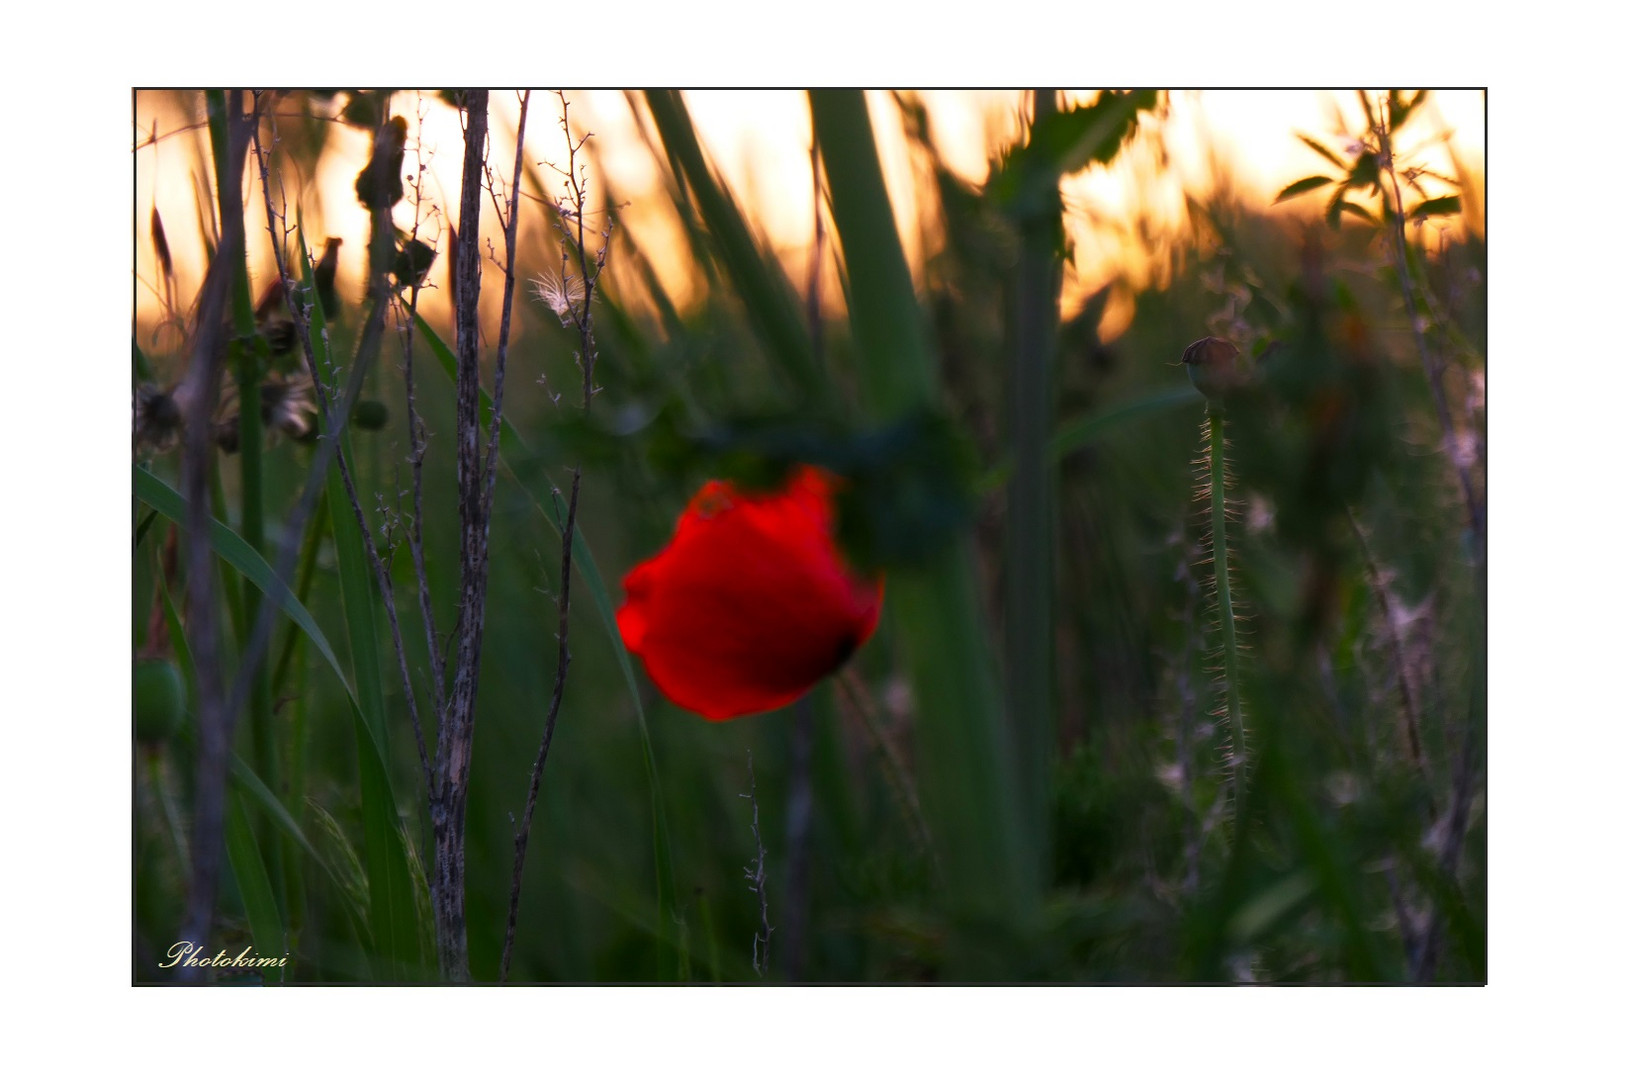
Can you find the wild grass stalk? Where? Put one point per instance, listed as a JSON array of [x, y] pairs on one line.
[[965, 751]]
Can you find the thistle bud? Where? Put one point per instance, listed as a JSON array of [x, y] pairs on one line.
[[324, 271], [379, 185]]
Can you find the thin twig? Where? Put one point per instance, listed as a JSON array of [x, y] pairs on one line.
[[1412, 718], [583, 319], [756, 878], [416, 452], [895, 772]]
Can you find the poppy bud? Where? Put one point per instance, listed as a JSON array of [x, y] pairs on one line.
[[1216, 368], [751, 603]]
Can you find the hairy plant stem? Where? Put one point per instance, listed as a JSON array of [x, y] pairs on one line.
[[1215, 452]]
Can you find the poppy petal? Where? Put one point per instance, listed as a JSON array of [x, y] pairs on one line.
[[751, 603]]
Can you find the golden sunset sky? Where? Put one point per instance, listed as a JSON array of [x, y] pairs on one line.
[[759, 141]]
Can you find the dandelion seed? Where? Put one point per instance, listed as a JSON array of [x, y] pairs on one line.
[[561, 294]]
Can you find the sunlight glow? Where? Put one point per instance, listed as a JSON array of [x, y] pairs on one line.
[[1241, 141]]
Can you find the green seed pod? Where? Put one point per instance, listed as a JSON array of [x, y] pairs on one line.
[[370, 415], [1217, 369], [160, 699]]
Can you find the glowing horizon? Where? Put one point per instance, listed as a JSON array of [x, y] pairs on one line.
[[759, 142]]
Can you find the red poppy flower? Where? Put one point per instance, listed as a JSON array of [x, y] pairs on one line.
[[751, 603]]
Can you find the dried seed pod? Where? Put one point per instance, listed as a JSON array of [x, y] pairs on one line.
[[379, 185], [158, 417]]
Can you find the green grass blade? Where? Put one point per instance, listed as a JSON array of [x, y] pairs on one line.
[[357, 597], [260, 903], [766, 295], [965, 752], [392, 910], [1084, 430], [237, 553], [257, 792]]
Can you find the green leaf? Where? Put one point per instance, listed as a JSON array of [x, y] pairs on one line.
[[1075, 434], [257, 791], [1320, 149], [237, 553], [1399, 109], [142, 370], [1339, 205], [265, 923], [759, 280], [1062, 142], [1271, 907], [392, 909], [1306, 184], [146, 523], [1357, 211], [346, 864], [1445, 204], [966, 758], [1366, 172]]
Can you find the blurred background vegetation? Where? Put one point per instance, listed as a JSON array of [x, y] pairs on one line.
[[1027, 774]]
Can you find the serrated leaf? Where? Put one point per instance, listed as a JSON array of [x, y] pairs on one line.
[[1322, 151], [1063, 142], [1445, 204], [1333, 209], [1306, 184], [1357, 211], [1366, 171], [1399, 109]]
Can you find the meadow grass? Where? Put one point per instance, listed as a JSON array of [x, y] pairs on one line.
[[1016, 779]]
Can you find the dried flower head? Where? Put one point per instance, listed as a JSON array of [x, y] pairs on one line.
[[561, 294], [287, 405], [158, 417]]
